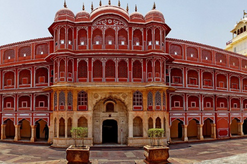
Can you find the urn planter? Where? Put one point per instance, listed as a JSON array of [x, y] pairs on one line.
[[156, 154], [78, 155]]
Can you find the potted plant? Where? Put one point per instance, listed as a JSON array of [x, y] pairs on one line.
[[78, 153], [156, 153]]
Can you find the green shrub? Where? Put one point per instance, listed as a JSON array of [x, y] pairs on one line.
[[155, 134], [79, 133]]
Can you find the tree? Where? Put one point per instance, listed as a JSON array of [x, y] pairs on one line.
[[79, 133]]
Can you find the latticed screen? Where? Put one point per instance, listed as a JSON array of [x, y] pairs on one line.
[[122, 69], [137, 69], [137, 98], [82, 98], [70, 99], [97, 69], [9, 54], [62, 65], [42, 49], [157, 66], [25, 51], [157, 98], [61, 98], [110, 69], [82, 69], [150, 99], [175, 50], [55, 100]]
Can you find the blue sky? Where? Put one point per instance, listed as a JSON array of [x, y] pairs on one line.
[[207, 22]]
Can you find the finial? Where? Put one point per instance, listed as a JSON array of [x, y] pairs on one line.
[[127, 8], [64, 4], [109, 2], [83, 7], [119, 3], [92, 6], [154, 7], [244, 15], [135, 8], [100, 3]]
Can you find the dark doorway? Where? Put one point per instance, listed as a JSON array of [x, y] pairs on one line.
[[245, 127], [110, 131], [180, 129]]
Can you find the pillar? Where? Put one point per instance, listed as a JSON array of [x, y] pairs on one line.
[[3, 135], [130, 126], [145, 126], [240, 129], [90, 127], [49, 135], [33, 133], [200, 133], [58, 121], [17, 133], [185, 137], [213, 131]]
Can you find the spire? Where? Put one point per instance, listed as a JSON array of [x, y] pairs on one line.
[[109, 2], [92, 6], [119, 4], [127, 8], [64, 4], [83, 7], [135, 8], [244, 15], [154, 7], [100, 3]]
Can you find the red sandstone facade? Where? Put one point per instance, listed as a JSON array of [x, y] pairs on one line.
[[191, 90]]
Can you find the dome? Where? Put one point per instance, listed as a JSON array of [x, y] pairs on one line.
[[82, 16], [137, 17], [108, 9], [65, 14], [154, 15]]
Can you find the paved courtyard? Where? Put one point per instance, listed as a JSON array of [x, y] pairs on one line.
[[225, 151]]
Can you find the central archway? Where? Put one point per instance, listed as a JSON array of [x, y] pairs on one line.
[[110, 131]]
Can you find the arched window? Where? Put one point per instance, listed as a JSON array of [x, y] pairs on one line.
[[110, 37], [70, 37], [97, 69], [62, 36], [82, 37], [149, 37], [97, 37], [122, 37], [62, 70], [61, 127], [109, 107], [137, 69], [61, 100], [157, 100], [137, 37], [158, 123], [24, 51], [41, 49], [70, 100], [137, 127], [70, 70], [150, 70], [9, 54], [157, 68], [55, 101], [150, 123], [157, 36], [110, 69], [82, 69], [137, 100], [122, 69], [150, 101], [82, 100]]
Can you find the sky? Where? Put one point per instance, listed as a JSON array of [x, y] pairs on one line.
[[204, 21]]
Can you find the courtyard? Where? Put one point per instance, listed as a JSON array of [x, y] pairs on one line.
[[224, 151]]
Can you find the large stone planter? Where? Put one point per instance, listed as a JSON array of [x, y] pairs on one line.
[[77, 155], [156, 154]]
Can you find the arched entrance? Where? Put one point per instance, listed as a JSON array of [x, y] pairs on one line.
[[110, 131], [245, 127], [207, 127], [41, 130], [25, 129], [110, 114], [176, 130], [234, 127], [9, 129]]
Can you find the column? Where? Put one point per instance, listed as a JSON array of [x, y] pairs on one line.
[[90, 127], [200, 135], [3, 136], [130, 126], [58, 128], [240, 129], [49, 135], [66, 127], [17, 133], [33, 134], [185, 138], [213, 131], [145, 126]]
